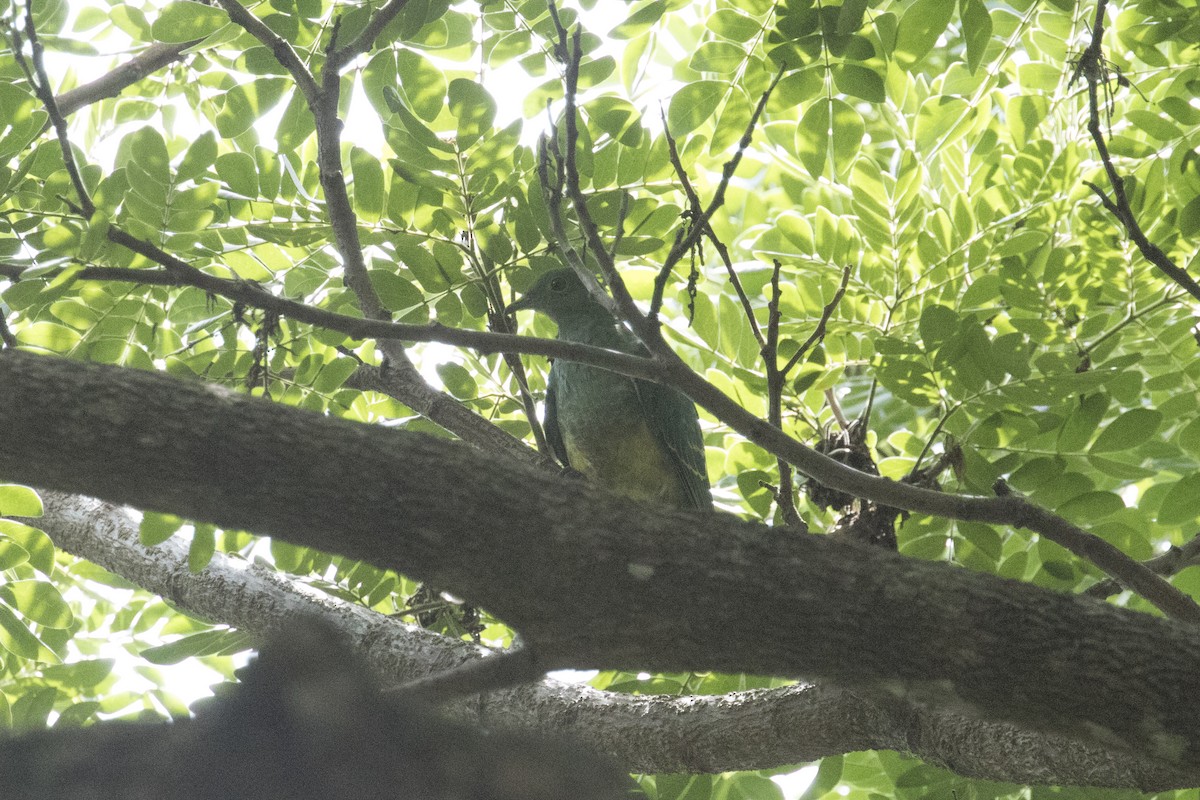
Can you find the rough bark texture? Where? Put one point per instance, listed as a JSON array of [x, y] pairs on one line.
[[644, 733], [306, 722], [591, 581]]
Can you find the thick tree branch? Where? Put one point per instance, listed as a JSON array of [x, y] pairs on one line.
[[295, 727], [743, 730], [1010, 510], [111, 84], [411, 388], [512, 539]]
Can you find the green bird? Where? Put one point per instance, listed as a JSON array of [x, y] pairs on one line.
[[637, 438]]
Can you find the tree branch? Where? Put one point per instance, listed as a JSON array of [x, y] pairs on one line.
[[448, 412], [494, 533], [654, 733], [1092, 67], [1009, 510], [111, 84]]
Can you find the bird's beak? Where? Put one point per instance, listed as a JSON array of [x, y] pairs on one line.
[[518, 305]]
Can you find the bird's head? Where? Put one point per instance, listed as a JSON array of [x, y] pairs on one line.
[[559, 294]]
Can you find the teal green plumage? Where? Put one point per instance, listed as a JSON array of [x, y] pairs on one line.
[[638, 438]]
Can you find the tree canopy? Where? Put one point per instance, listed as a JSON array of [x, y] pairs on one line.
[[928, 269]]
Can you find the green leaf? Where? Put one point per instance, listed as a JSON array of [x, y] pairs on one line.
[[1024, 114], [860, 81], [40, 602], [722, 58], [1153, 124], [1082, 422], [923, 22], [15, 636], [829, 128], [640, 20], [422, 83], [457, 380], [1091, 506], [239, 172], [474, 109], [618, 118], [692, 105], [148, 150], [729, 23], [938, 121], [49, 336], [11, 554], [1181, 504], [938, 323], [33, 541], [368, 184], [183, 21], [1127, 431], [1189, 437], [80, 674], [246, 103], [19, 501], [204, 544], [156, 528], [197, 644], [333, 374]]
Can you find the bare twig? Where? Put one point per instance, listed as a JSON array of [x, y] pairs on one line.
[[147, 62], [278, 46], [503, 670], [775, 380], [365, 40], [41, 86], [694, 205], [1169, 563], [1092, 67], [718, 199], [148, 277], [819, 332]]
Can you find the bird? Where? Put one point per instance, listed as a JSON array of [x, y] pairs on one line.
[[637, 438]]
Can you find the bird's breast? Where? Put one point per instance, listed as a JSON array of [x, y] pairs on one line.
[[608, 439]]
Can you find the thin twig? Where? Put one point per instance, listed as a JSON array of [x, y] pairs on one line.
[[646, 329], [503, 670], [1092, 67], [365, 40], [696, 210], [818, 333], [1169, 563], [727, 172], [278, 46], [41, 87], [784, 498]]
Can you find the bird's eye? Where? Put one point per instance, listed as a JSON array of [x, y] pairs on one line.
[[558, 284]]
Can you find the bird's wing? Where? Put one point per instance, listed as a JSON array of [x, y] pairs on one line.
[[550, 425], [673, 421]]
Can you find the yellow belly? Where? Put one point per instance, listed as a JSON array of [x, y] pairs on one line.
[[629, 461]]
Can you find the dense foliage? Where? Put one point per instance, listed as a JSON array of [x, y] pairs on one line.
[[931, 158]]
